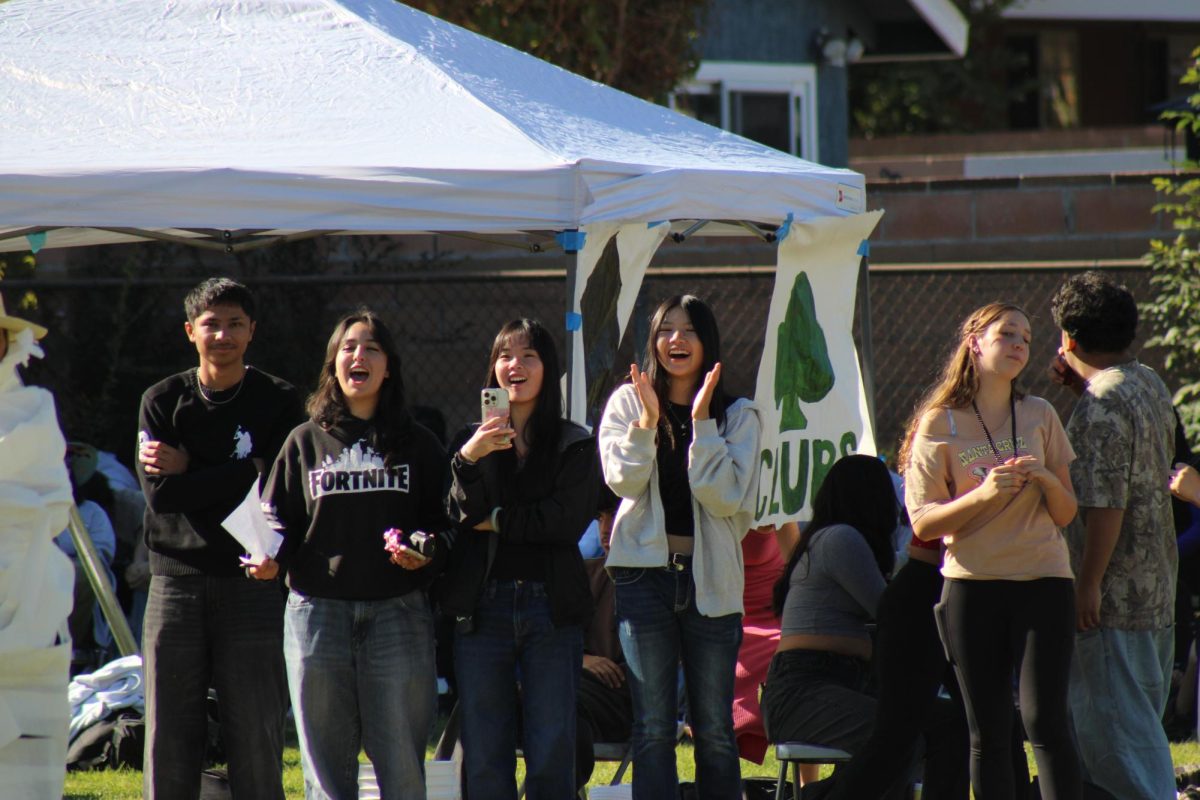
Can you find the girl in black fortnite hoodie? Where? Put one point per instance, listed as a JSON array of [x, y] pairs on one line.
[[358, 631]]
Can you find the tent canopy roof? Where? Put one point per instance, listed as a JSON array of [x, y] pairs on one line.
[[347, 115]]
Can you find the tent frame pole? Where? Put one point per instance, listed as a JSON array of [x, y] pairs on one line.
[[867, 349], [227, 245], [572, 267], [89, 561]]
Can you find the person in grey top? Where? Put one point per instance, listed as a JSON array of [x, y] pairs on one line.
[[1122, 543], [815, 689]]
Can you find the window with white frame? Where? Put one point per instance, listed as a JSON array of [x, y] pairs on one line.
[[774, 104]]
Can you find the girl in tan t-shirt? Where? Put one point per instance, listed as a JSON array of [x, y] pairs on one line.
[[986, 470]]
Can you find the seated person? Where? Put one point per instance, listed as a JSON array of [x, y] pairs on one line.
[[816, 689], [604, 709], [116, 489], [764, 552], [84, 620], [910, 670]]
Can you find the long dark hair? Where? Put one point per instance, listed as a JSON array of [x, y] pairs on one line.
[[704, 322], [857, 492], [327, 405], [544, 428]]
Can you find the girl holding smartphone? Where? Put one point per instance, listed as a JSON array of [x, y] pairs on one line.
[[358, 630], [523, 490], [986, 471], [683, 458]]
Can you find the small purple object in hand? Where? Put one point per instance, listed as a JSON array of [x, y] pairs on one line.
[[393, 540]]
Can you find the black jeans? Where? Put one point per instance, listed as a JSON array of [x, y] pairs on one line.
[[226, 633], [818, 697], [991, 628], [602, 714], [910, 668]]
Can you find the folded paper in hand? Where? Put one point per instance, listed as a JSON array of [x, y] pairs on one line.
[[249, 526]]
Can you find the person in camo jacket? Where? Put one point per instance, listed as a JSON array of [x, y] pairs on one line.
[[1122, 544]]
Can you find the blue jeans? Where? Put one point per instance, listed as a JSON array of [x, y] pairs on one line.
[[361, 676], [514, 638], [659, 628], [226, 633], [1118, 691]]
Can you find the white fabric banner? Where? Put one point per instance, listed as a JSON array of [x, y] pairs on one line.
[[256, 124], [810, 393], [609, 272]]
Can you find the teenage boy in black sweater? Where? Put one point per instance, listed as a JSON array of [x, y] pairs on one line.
[[204, 437]]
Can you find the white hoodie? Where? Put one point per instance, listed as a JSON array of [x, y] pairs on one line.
[[723, 473]]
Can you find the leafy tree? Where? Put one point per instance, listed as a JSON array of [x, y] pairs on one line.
[[1174, 313], [956, 96], [646, 49], [19, 266]]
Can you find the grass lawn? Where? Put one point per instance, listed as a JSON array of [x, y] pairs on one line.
[[127, 784]]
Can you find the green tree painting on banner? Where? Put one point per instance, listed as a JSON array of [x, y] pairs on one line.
[[803, 372]]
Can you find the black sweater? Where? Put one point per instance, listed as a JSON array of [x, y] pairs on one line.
[[542, 517], [184, 512], [332, 498]]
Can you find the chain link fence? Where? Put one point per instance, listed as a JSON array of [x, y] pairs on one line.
[[117, 330], [915, 316]]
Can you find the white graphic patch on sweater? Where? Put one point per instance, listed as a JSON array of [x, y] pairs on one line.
[[358, 469], [242, 444]]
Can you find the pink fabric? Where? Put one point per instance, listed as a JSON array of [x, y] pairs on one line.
[[760, 637]]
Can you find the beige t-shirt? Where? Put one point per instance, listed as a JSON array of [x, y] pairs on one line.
[[1020, 541]]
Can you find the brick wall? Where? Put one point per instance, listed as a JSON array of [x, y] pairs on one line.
[[1015, 219], [1075, 219]]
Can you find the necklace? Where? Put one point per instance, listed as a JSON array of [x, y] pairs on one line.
[[682, 425], [209, 394], [678, 431], [1012, 410]]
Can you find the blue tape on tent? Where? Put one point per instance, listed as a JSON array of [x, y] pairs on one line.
[[783, 230], [571, 241], [36, 241], [656, 224], [574, 321], [864, 249]]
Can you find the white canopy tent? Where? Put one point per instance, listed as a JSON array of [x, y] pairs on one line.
[[345, 115]]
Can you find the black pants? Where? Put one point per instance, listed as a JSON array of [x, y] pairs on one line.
[[910, 667], [818, 697], [226, 633], [602, 714], [991, 628]]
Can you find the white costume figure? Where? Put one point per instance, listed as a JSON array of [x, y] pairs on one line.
[[35, 577]]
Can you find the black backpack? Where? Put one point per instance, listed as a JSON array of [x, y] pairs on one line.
[[118, 740]]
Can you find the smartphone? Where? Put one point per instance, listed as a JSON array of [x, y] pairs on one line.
[[493, 403]]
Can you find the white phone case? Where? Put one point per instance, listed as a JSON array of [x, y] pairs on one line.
[[493, 403]]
